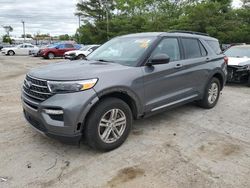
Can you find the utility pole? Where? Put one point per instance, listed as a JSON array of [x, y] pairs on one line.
[[78, 14], [23, 29], [107, 17], [79, 21]]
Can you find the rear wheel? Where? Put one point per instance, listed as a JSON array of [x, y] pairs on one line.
[[108, 124], [212, 94], [11, 53], [51, 55], [248, 83]]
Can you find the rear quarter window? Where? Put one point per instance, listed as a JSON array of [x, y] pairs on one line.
[[193, 48], [214, 45]]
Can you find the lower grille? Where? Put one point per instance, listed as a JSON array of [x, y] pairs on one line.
[[36, 89], [34, 122]]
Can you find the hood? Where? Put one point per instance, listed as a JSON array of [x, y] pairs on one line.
[[77, 70], [6, 49], [241, 61]]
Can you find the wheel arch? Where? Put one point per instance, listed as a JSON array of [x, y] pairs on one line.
[[220, 78], [121, 93], [11, 50], [126, 95]]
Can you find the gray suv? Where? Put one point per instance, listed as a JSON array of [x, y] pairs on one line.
[[129, 77]]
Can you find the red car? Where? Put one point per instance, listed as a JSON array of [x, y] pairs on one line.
[[57, 50]]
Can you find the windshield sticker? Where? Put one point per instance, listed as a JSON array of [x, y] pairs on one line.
[[143, 43]]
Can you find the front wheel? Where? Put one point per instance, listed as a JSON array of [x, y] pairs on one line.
[[81, 56], [211, 95], [11, 53], [108, 124]]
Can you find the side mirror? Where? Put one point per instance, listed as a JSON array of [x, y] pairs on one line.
[[56, 47], [159, 59]]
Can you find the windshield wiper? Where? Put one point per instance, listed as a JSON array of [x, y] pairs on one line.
[[103, 60]]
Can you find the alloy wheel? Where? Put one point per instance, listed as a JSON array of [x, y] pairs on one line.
[[213, 93], [112, 125]]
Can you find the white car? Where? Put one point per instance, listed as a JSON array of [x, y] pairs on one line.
[[238, 63], [22, 49], [81, 53]]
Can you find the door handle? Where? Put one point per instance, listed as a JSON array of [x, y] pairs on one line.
[[207, 59], [177, 66]]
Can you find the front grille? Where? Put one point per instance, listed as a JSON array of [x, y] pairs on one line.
[[36, 89]]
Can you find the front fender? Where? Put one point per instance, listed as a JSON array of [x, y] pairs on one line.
[[124, 90]]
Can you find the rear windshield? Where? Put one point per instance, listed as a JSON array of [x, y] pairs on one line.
[[238, 51], [215, 46]]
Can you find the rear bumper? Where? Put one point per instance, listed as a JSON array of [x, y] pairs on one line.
[[238, 74]]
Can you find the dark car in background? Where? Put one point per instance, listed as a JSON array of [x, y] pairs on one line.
[[57, 50]]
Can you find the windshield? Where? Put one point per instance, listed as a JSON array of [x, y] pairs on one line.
[[85, 48], [125, 51], [243, 51]]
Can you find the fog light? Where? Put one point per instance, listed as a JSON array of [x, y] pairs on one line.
[[53, 112]]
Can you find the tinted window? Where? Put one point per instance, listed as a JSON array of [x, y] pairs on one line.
[[191, 48], [69, 46], [94, 48], [170, 47], [215, 46]]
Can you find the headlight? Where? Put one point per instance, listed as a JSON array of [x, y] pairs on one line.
[[71, 86]]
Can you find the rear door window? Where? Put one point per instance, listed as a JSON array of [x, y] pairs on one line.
[[69, 46], [192, 48]]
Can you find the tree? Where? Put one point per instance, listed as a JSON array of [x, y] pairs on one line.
[[6, 39], [8, 29], [215, 17], [27, 36], [64, 37]]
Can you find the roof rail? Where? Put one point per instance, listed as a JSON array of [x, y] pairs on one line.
[[189, 32]]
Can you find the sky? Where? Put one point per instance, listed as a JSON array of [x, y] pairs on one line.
[[45, 16], [55, 17]]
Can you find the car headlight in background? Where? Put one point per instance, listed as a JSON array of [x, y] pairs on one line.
[[71, 86]]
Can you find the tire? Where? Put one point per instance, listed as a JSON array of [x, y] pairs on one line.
[[95, 131], [248, 83], [11, 53], [81, 56], [50, 55], [210, 100]]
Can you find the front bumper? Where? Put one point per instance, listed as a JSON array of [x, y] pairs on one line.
[[67, 127], [238, 74], [71, 57]]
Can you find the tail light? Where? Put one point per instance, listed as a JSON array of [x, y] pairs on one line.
[[226, 60]]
